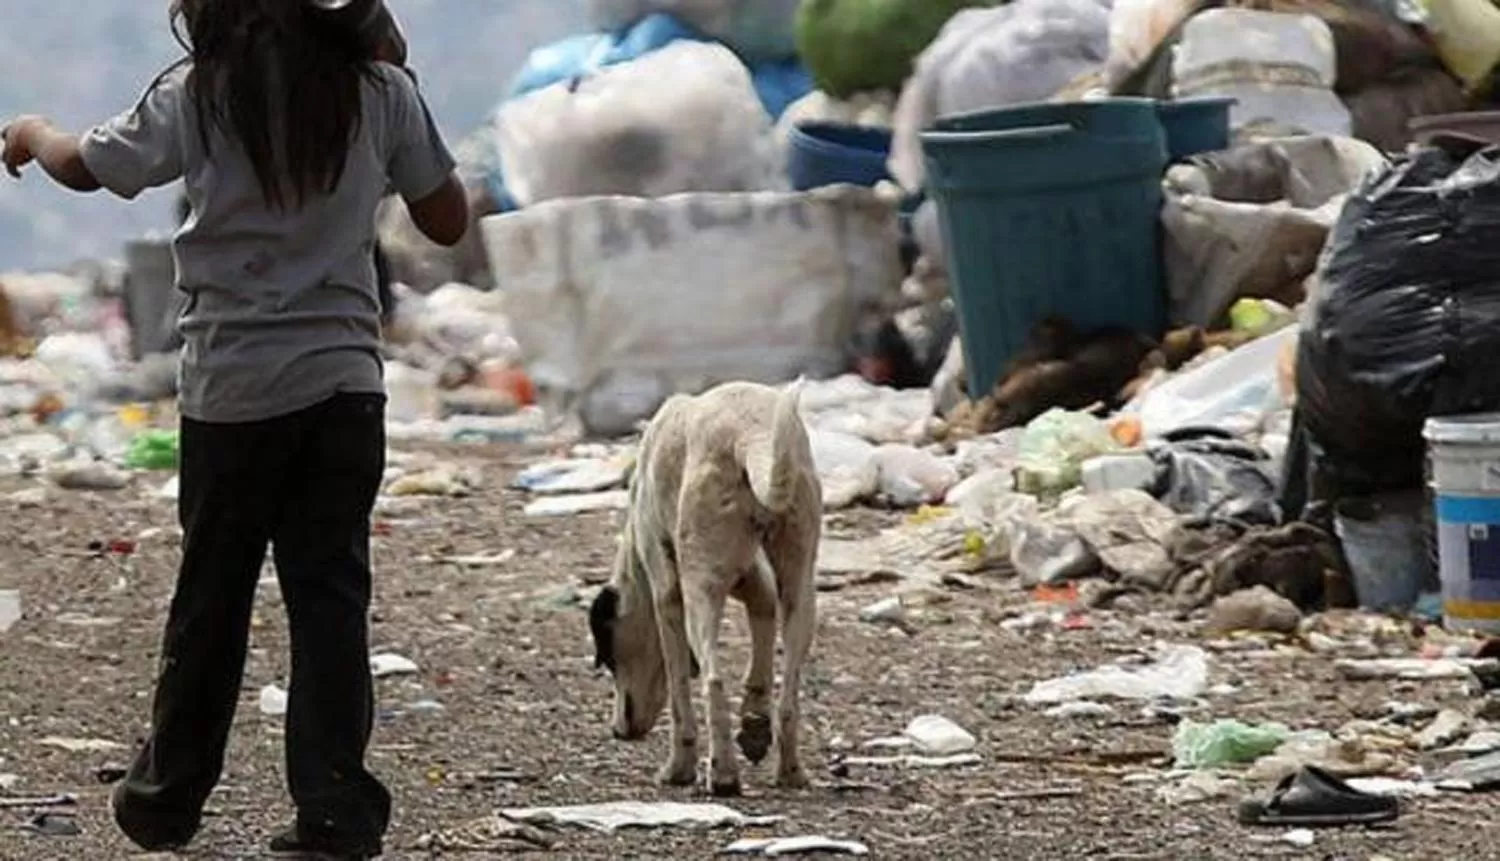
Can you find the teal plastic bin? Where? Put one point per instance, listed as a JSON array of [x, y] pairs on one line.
[[1049, 210]]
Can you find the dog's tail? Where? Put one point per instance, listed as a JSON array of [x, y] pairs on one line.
[[773, 464]]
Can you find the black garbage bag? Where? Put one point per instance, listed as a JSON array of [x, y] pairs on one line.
[[1405, 324]]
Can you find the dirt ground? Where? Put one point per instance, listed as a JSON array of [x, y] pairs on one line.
[[523, 720]]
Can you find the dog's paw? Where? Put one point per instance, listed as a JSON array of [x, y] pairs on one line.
[[725, 787], [793, 777], [679, 773], [755, 737]]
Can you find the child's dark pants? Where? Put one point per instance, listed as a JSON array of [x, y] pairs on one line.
[[305, 484]]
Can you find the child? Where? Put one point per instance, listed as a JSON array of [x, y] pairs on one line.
[[286, 134]]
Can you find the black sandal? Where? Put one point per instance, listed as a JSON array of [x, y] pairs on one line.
[[1313, 798]]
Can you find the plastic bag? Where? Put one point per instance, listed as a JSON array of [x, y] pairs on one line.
[[854, 46], [847, 468], [1406, 321], [910, 477], [757, 30], [1279, 68], [1180, 673], [989, 58], [153, 450], [1251, 221], [1054, 449], [1211, 479], [684, 118], [1225, 742]]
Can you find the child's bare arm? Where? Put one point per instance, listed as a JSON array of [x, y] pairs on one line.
[[29, 139]]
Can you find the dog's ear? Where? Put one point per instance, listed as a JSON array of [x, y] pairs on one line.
[[602, 616]]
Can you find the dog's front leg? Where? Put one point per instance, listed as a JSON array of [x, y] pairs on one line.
[[682, 767]]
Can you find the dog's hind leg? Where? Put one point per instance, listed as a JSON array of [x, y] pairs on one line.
[[682, 766], [758, 592], [795, 559], [705, 589]]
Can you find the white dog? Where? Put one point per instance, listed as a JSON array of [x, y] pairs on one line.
[[725, 501]]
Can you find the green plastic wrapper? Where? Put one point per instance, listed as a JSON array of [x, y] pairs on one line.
[[156, 450], [857, 46], [1225, 742]]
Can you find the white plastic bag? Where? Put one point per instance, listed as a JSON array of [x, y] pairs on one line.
[[989, 58], [1236, 392], [910, 477], [847, 468], [1136, 28], [1280, 69], [684, 118]]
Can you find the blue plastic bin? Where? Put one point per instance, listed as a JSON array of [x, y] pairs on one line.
[[831, 153], [1195, 126], [1049, 210]]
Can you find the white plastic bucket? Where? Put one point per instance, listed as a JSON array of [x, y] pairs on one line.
[[1464, 456]]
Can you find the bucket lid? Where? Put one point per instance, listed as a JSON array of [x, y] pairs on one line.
[[1476, 429]]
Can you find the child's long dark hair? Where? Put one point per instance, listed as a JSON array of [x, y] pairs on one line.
[[282, 79]]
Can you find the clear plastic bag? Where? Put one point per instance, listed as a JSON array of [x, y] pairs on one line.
[[684, 118]]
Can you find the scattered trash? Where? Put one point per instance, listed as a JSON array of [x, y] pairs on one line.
[[1197, 787], [153, 450], [10, 609], [774, 847], [937, 736], [612, 817], [52, 825], [553, 506], [910, 477], [1444, 729], [1412, 669], [1180, 672], [492, 834], [1346, 754], [914, 761], [273, 701], [846, 467], [1080, 710], [887, 611], [1301, 838], [1257, 609], [1475, 775], [573, 476], [385, 665], [1225, 742], [1392, 788], [81, 745], [88, 475], [439, 481], [60, 800]]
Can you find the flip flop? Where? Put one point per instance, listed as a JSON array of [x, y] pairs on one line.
[[1313, 798]]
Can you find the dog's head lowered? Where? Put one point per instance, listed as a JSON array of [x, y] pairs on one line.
[[623, 623]]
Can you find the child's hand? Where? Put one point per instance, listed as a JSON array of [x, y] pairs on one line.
[[19, 149]]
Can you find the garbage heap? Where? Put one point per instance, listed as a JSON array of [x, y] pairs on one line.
[[1217, 269]]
